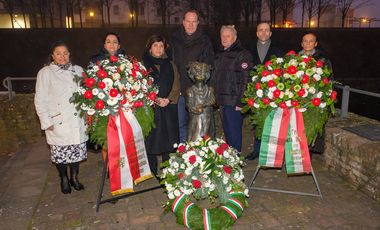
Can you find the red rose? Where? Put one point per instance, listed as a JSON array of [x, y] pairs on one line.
[[294, 103], [306, 59], [316, 101], [250, 102], [268, 63], [113, 58], [325, 81], [135, 66], [150, 82], [265, 73], [136, 104], [266, 100], [99, 105], [196, 183], [124, 101], [291, 52], [133, 92], [180, 176], [277, 72], [319, 64], [301, 92], [257, 86], [292, 69], [192, 159], [89, 82], [282, 105], [114, 92], [88, 94], [101, 74], [276, 93], [219, 150], [206, 137], [133, 73], [181, 148], [152, 96], [224, 146], [227, 169], [305, 79], [333, 95], [271, 83], [101, 85]]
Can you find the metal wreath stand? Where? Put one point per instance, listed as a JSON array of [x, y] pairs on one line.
[[100, 201], [253, 182]]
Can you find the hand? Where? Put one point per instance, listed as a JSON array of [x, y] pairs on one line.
[[51, 128], [163, 102], [237, 108]]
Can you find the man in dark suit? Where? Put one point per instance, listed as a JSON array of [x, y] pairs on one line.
[[262, 51]]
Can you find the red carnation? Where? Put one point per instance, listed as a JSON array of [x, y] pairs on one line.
[[282, 105], [291, 52], [292, 69], [250, 102], [206, 137], [152, 96], [301, 92], [114, 92], [101, 73], [294, 103], [181, 148], [113, 58], [307, 59], [333, 95], [227, 169], [101, 85], [124, 101], [224, 146], [276, 93], [196, 183], [258, 86], [266, 100], [325, 80], [192, 159], [277, 72], [268, 63], [133, 92], [133, 73], [219, 150], [265, 73], [99, 105], [180, 176], [88, 94], [305, 79], [271, 83], [316, 101], [319, 64]]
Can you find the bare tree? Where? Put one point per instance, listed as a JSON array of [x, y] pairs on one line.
[[41, 9], [108, 4], [273, 6], [246, 10], [286, 6], [162, 8], [303, 6], [101, 10], [22, 6], [311, 10], [50, 5], [345, 5], [9, 7], [79, 5], [257, 8], [60, 4]]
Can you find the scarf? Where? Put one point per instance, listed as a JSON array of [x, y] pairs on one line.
[[163, 75], [63, 67]]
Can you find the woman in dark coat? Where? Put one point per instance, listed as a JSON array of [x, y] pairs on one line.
[[162, 138], [111, 46]]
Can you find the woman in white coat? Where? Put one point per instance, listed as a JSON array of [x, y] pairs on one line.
[[65, 130]]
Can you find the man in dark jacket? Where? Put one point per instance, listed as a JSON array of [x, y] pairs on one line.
[[230, 77], [189, 43], [262, 51]]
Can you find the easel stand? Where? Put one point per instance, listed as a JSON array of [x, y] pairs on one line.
[[251, 186], [99, 200]]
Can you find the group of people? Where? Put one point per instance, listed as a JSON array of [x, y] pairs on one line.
[[167, 60]]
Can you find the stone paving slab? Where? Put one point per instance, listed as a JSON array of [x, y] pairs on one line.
[[31, 199]]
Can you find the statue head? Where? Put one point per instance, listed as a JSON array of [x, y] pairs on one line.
[[198, 71]]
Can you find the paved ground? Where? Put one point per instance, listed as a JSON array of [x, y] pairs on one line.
[[30, 199]]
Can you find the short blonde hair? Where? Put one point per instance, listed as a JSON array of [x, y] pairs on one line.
[[229, 27]]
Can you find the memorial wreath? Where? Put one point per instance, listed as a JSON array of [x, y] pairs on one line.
[[205, 170]]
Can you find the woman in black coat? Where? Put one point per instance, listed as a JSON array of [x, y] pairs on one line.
[[162, 138], [111, 46]]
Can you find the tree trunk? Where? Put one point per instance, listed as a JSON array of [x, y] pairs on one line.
[[11, 16]]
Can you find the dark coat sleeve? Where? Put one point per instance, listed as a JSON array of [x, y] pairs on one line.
[[246, 65]]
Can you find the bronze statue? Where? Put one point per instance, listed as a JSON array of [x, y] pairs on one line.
[[200, 100]]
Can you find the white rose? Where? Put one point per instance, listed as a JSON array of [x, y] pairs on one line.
[[256, 105], [112, 101], [311, 90], [273, 104], [95, 91], [319, 94], [319, 71], [105, 112], [322, 105], [108, 82], [254, 78], [288, 103], [317, 77], [101, 95], [300, 73], [116, 76], [171, 196], [291, 95], [259, 93], [281, 95], [91, 112], [177, 192], [279, 60]]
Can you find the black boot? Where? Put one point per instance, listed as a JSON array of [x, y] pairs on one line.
[[62, 170], [74, 171]]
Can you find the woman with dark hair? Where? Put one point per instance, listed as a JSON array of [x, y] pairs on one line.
[[65, 130], [111, 46], [162, 138]]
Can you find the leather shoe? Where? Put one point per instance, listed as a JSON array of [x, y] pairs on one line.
[[252, 156]]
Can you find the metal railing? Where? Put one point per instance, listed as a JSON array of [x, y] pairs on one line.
[[7, 83], [346, 97]]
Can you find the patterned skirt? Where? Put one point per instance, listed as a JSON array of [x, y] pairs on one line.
[[65, 154]]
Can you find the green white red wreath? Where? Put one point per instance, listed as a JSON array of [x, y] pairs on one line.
[[205, 169]]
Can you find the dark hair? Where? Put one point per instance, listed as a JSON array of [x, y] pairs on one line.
[[156, 38], [55, 45], [310, 32], [191, 11], [111, 33]]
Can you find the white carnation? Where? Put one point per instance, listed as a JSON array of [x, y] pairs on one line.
[[317, 77], [259, 93], [112, 101], [91, 112], [95, 91]]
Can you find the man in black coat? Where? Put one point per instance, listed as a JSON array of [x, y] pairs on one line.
[[262, 51], [188, 44]]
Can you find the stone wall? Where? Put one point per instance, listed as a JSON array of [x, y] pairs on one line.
[[355, 158], [19, 123]]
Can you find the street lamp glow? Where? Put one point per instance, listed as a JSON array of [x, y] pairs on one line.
[[91, 13], [312, 23], [364, 20]]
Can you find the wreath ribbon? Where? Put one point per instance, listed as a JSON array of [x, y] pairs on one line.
[[284, 131], [127, 159]]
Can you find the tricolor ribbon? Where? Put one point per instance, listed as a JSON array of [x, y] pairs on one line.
[[284, 131], [177, 202], [186, 212], [206, 219], [127, 159]]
